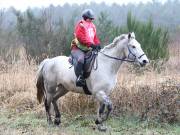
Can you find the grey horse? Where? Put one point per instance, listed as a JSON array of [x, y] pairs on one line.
[[55, 78]]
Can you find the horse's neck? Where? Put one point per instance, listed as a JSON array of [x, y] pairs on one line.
[[112, 63]]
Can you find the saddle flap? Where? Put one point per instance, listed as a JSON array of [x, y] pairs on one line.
[[89, 60]]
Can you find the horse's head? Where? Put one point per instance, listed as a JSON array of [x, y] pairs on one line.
[[134, 52]]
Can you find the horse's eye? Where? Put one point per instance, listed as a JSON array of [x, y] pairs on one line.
[[133, 46]]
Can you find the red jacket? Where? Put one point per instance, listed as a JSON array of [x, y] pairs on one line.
[[85, 32]]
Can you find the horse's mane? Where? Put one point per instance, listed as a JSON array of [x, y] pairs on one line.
[[115, 41]]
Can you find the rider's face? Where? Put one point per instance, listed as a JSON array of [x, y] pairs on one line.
[[89, 20]]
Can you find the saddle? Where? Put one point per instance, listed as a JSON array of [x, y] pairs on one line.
[[89, 61]]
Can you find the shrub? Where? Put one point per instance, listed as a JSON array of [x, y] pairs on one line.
[[154, 40]]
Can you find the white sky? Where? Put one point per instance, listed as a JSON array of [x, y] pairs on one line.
[[24, 4]]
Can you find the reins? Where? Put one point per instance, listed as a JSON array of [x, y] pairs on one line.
[[115, 58]]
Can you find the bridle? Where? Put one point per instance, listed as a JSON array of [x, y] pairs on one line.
[[124, 59], [135, 57]]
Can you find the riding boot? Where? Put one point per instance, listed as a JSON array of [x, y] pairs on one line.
[[80, 82]]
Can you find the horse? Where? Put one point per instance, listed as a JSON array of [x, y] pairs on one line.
[[55, 78]]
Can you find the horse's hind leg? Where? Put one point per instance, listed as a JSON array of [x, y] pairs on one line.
[[60, 92], [47, 104], [57, 119], [49, 93]]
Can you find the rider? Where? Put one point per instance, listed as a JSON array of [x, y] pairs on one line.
[[85, 40]]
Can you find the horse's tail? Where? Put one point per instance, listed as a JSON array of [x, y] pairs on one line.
[[40, 81]]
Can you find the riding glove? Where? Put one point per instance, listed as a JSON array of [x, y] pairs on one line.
[[95, 47]]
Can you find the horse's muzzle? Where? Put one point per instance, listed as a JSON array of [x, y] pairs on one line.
[[143, 63]]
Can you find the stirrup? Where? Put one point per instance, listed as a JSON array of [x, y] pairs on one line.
[[80, 81]]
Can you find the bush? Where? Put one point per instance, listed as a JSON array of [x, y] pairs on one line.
[[154, 40]]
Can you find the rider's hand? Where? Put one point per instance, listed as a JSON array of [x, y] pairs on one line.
[[98, 47], [95, 47]]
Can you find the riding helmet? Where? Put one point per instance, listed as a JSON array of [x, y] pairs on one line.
[[88, 14]]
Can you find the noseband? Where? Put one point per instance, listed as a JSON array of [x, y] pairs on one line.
[[130, 53]]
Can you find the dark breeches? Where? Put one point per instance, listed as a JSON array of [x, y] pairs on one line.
[[78, 61]]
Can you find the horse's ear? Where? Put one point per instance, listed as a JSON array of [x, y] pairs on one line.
[[132, 35], [129, 35]]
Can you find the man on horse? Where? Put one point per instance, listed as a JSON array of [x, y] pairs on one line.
[[85, 40]]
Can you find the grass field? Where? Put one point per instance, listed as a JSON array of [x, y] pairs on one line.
[[28, 123]]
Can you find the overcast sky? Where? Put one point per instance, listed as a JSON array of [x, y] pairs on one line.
[[24, 4]]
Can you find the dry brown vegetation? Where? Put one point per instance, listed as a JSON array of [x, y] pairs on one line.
[[144, 92]]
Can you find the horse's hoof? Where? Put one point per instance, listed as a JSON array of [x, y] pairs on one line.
[[57, 122], [102, 128], [50, 122]]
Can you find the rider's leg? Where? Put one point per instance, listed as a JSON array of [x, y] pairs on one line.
[[79, 71], [78, 66]]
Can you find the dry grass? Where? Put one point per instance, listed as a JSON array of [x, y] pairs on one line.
[[149, 94], [17, 87]]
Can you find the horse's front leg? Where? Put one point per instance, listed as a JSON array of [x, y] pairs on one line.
[[104, 109]]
